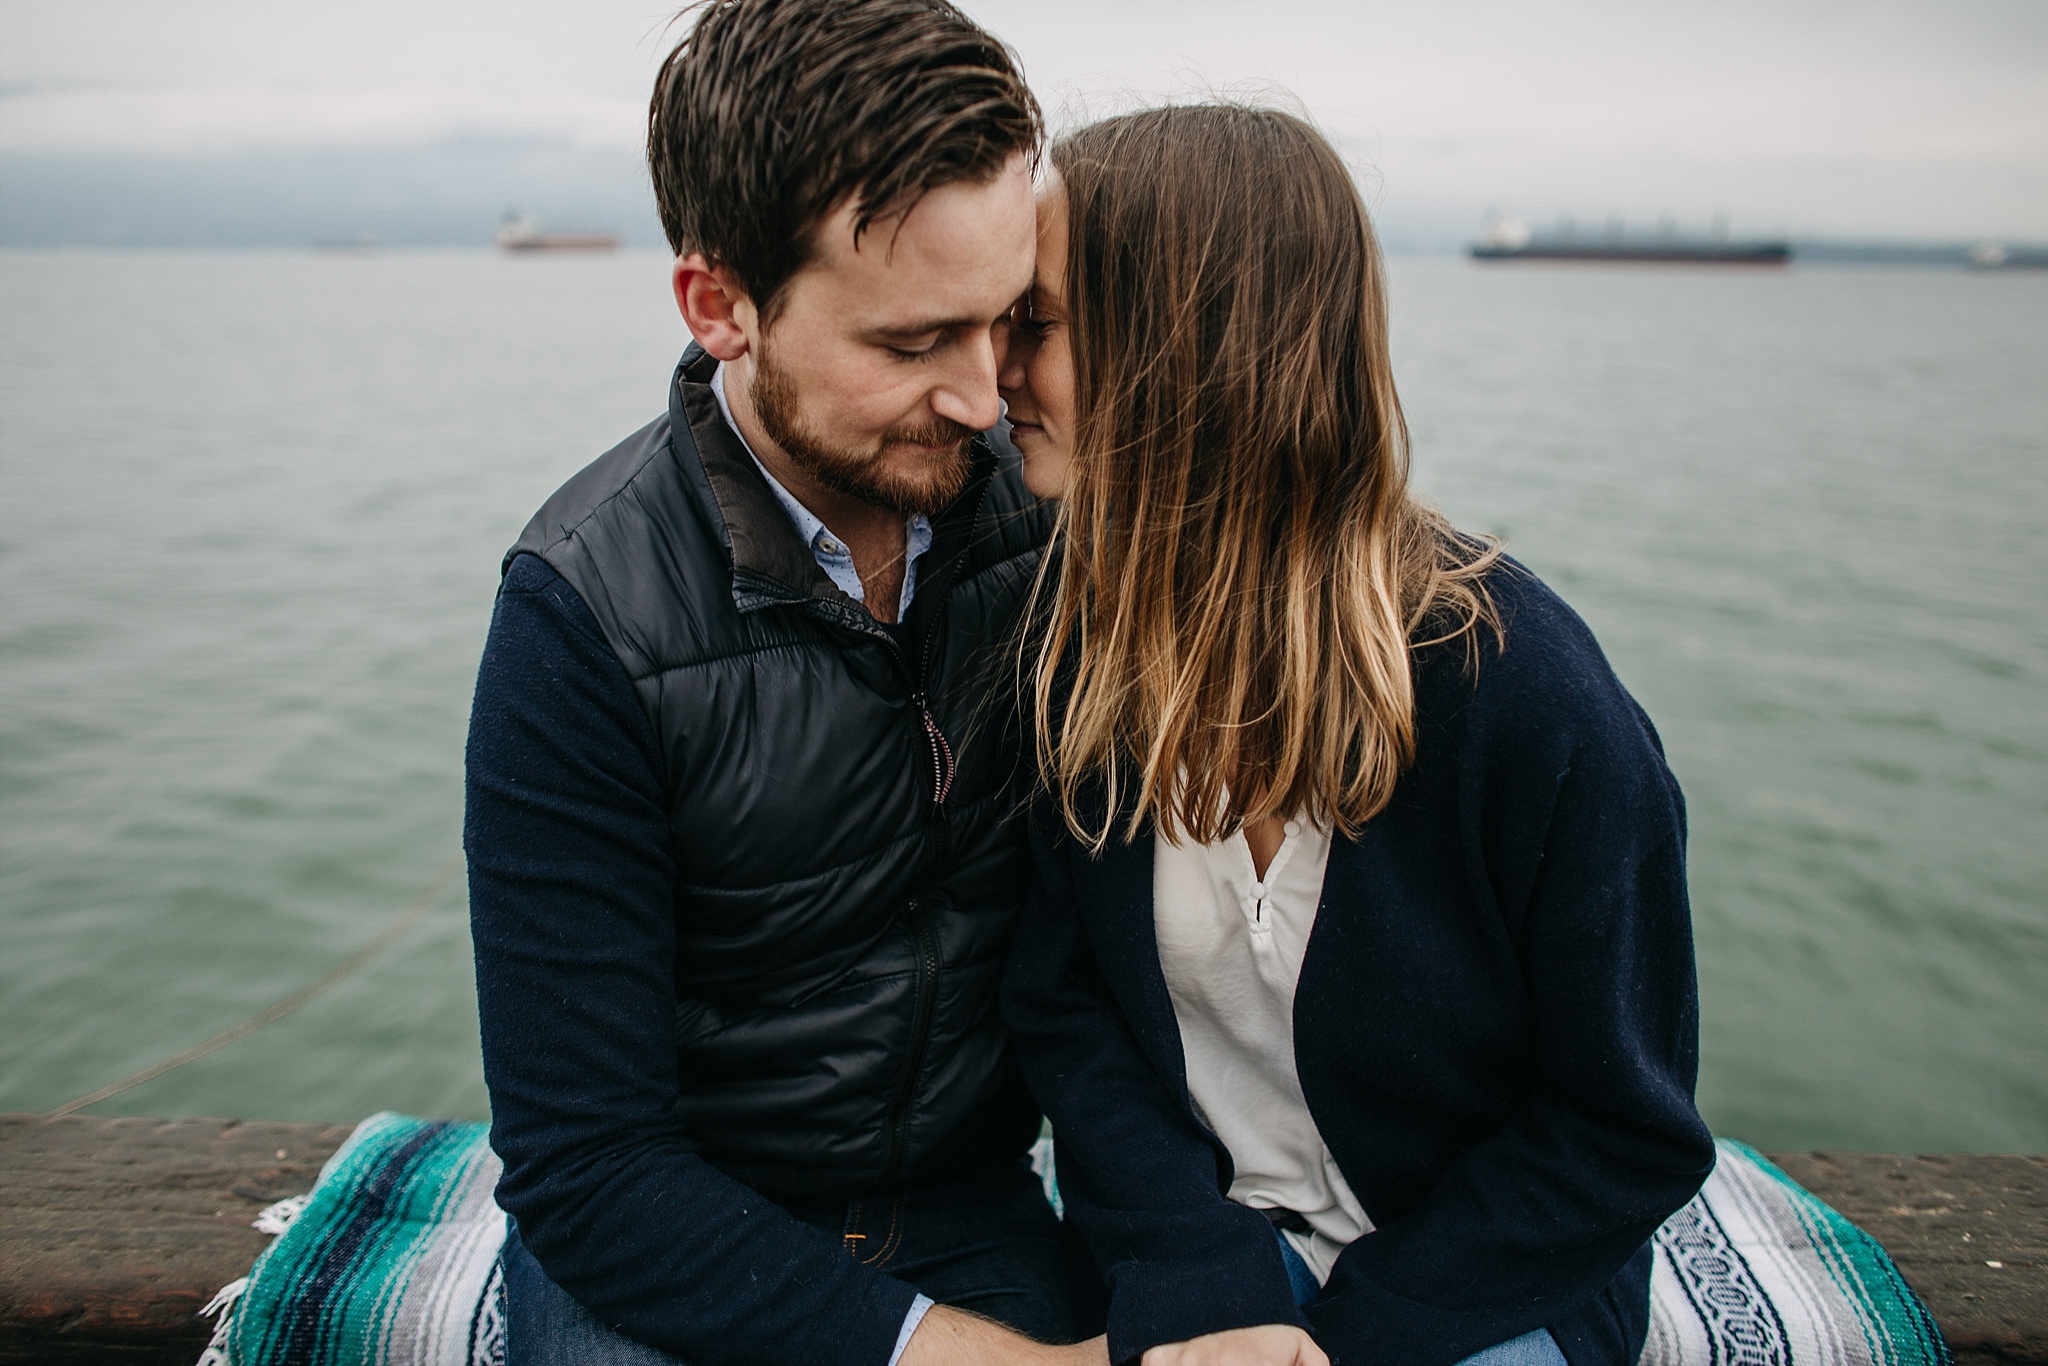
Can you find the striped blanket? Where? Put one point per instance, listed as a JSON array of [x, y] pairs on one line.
[[393, 1261]]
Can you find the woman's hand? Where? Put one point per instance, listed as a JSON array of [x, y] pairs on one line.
[[1269, 1344]]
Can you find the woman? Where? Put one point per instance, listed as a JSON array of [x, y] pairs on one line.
[[1357, 978]]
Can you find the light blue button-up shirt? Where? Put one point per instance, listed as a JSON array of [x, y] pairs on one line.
[[828, 550]]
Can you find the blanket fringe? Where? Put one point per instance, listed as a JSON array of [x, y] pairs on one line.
[[278, 1217], [274, 1220], [222, 1304]]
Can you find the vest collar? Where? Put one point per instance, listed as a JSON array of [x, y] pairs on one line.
[[769, 563]]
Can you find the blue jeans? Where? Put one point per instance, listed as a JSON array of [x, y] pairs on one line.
[[1536, 1348], [988, 1243]]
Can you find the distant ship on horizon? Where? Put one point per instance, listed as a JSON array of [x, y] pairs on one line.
[[2000, 256], [1509, 239], [516, 232]]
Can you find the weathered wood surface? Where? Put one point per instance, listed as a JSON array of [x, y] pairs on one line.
[[113, 1232], [1970, 1235]]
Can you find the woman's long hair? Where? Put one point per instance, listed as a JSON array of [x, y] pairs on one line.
[[1244, 574]]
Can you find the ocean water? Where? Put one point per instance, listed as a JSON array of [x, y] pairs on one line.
[[251, 510]]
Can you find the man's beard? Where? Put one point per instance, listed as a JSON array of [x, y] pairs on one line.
[[866, 475]]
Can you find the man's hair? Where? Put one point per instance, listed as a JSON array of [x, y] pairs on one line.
[[773, 113]]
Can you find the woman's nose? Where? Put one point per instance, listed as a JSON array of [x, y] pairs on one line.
[[1012, 360]]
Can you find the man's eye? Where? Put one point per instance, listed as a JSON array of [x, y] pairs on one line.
[[914, 352]]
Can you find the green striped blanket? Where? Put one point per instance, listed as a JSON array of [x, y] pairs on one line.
[[393, 1259], [1756, 1272]]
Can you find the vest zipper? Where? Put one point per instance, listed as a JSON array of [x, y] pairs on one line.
[[943, 766], [924, 933], [924, 938]]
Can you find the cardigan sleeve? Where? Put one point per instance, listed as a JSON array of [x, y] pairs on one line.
[[1572, 826], [1140, 1178], [572, 909]]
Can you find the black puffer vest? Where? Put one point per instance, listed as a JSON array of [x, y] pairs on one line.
[[843, 809]]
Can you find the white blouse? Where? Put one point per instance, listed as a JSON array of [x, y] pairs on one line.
[[1231, 945]]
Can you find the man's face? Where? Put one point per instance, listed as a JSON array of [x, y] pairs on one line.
[[882, 361]]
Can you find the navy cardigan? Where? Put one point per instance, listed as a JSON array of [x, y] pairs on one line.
[[1495, 1028]]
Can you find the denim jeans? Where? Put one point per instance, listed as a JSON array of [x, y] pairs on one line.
[[1535, 1348], [988, 1243]]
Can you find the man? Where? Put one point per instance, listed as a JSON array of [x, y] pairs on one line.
[[741, 822]]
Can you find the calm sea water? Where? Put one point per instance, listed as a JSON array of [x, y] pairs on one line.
[[251, 508]]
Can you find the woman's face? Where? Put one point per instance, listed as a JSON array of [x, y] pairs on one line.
[[1037, 380]]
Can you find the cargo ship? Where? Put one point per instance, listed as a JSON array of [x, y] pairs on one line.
[[2000, 256], [520, 233], [1508, 239]]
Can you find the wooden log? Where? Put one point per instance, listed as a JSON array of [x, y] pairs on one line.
[[114, 1232], [1970, 1235]]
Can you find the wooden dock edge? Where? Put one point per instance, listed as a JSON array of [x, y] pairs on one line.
[[114, 1232], [1968, 1232]]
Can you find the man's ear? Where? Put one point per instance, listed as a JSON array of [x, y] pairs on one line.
[[715, 309]]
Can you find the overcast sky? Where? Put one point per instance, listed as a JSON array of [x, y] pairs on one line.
[[1809, 118]]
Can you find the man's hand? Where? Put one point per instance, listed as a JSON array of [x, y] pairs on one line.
[[954, 1337], [1269, 1344]]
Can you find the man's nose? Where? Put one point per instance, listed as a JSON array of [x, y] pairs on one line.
[[967, 394]]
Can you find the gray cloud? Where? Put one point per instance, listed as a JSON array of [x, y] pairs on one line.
[[1876, 118]]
